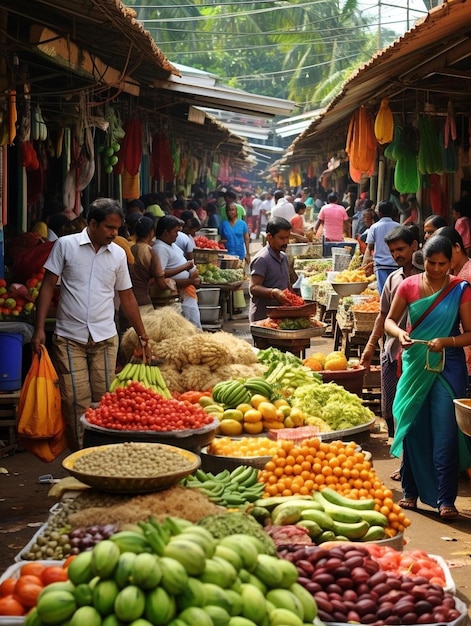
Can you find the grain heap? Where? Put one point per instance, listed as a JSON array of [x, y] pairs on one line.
[[192, 359]]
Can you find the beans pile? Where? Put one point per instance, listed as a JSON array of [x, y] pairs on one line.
[[131, 459]]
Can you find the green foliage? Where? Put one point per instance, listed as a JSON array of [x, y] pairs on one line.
[[296, 50]]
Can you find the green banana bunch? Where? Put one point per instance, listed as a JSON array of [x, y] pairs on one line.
[[149, 376], [230, 489]]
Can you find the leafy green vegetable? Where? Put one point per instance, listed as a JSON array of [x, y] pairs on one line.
[[330, 402], [227, 524], [273, 355]]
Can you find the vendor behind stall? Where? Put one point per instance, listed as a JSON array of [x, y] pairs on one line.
[[269, 271]]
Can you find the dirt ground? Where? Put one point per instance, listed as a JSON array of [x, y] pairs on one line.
[[24, 501]]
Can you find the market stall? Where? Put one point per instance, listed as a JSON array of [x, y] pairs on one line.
[[170, 535]]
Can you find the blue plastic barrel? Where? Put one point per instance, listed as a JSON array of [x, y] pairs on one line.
[[11, 361]]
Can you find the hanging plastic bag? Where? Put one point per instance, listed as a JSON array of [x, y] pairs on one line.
[[39, 406]]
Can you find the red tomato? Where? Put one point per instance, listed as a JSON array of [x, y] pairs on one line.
[[54, 574], [27, 592], [7, 586], [68, 560], [34, 568], [30, 579], [10, 606]]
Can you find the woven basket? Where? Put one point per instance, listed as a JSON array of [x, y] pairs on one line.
[[363, 321], [344, 318], [202, 256]]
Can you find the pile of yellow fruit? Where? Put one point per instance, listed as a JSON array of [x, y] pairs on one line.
[[258, 416], [353, 276], [334, 361]]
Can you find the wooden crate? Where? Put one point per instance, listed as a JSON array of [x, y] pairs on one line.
[[8, 417]]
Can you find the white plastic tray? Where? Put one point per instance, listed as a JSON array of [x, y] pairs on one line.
[[14, 572], [460, 605], [449, 582]]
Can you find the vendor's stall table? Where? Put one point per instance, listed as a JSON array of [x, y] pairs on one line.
[[294, 341], [226, 298]]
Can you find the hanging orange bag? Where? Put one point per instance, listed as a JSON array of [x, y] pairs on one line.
[[39, 406]]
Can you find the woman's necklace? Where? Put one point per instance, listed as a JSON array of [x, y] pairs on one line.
[[434, 291]]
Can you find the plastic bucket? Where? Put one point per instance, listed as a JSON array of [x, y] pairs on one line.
[[11, 361]]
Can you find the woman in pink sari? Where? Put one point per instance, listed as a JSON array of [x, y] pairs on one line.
[[433, 374]]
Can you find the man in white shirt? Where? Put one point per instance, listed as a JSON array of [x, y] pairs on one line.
[[85, 344], [256, 204], [283, 206], [265, 210]]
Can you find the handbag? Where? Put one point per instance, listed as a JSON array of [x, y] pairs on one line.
[[41, 424]]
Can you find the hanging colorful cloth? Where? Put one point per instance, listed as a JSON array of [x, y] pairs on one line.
[[361, 143], [130, 185], [162, 160], [384, 123], [132, 145]]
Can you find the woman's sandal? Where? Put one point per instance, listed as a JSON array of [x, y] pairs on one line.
[[396, 475], [408, 504], [448, 513]]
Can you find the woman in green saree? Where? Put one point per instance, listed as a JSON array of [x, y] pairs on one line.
[[433, 373]]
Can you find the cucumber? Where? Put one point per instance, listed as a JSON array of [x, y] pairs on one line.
[[336, 498], [351, 531], [374, 533]]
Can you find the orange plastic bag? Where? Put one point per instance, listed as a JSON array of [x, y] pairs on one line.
[[45, 449], [39, 406]]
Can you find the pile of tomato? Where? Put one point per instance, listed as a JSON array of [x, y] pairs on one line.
[[294, 300], [209, 244], [19, 594], [137, 408]]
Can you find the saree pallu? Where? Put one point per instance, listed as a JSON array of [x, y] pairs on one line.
[[412, 408]]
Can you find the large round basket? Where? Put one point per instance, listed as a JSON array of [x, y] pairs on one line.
[[463, 414], [280, 312], [351, 379], [192, 440], [217, 463], [133, 484], [349, 289]]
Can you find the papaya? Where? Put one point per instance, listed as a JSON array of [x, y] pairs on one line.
[[86, 615], [174, 576], [160, 607], [56, 607], [130, 603], [104, 595], [195, 615]]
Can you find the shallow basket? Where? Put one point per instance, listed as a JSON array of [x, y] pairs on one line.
[[206, 255], [217, 463], [344, 318], [133, 484], [280, 312], [351, 379], [349, 289], [463, 414], [363, 321]]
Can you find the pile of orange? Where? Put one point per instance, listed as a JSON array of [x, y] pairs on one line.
[[245, 446], [314, 464]]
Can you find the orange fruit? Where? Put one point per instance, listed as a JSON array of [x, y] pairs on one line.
[[319, 356]]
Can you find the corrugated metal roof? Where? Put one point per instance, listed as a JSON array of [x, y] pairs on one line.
[[430, 63]]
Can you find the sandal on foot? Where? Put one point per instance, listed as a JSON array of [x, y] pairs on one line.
[[409, 504], [396, 475], [448, 512]]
